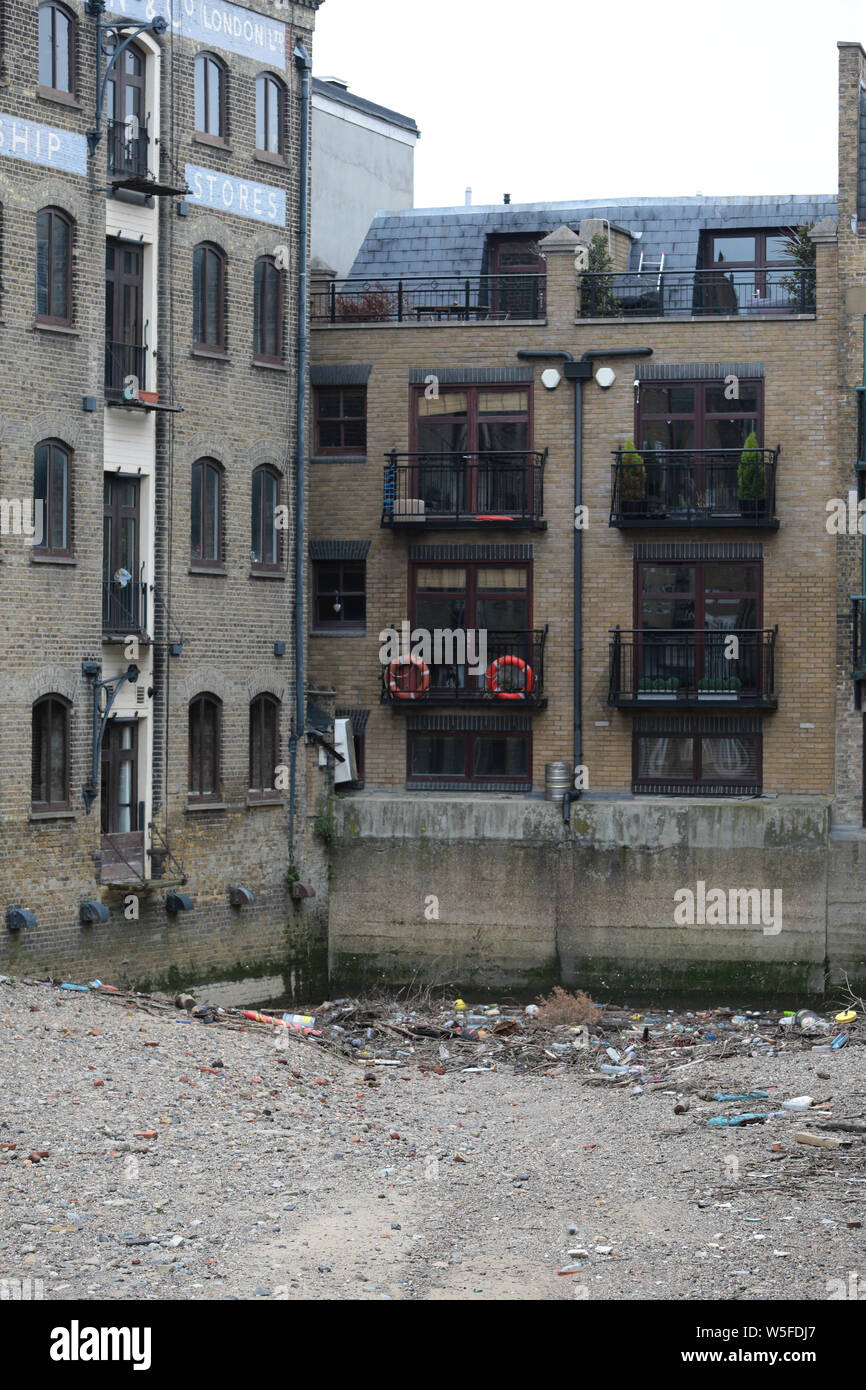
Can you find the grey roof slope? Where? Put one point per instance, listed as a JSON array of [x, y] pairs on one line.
[[335, 92], [451, 241]]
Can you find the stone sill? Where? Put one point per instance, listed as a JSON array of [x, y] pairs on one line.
[[255, 805], [212, 354], [59, 98], [327, 632], [267, 157], [36, 559], [703, 318], [52, 815], [194, 806], [338, 458], [63, 328], [213, 142], [269, 366], [268, 574], [209, 569]]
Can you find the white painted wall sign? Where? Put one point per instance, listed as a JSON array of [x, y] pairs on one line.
[[218, 23], [224, 193], [40, 144]]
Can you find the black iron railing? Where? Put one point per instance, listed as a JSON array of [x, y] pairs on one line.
[[429, 299], [774, 291], [666, 667], [124, 604], [466, 666], [448, 489], [858, 636], [123, 361], [127, 143], [693, 487]]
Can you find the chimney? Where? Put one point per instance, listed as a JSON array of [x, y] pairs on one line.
[[506, 198], [468, 198]]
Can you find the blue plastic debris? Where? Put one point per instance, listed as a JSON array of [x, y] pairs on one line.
[[744, 1095], [737, 1120]]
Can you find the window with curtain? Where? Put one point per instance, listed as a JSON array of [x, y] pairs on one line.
[[267, 311], [53, 266], [51, 498], [50, 754], [210, 96], [265, 540], [208, 297], [206, 512], [56, 48], [205, 718], [264, 747]]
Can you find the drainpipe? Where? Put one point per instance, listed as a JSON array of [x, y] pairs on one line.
[[579, 372], [303, 65]]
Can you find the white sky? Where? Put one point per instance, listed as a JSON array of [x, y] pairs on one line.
[[565, 99]]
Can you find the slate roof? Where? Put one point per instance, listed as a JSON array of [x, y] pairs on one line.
[[451, 241], [334, 92]]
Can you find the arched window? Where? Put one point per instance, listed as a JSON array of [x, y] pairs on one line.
[[270, 114], [125, 107], [51, 497], [205, 513], [264, 747], [205, 721], [208, 297], [53, 266], [267, 311], [210, 96], [265, 547], [56, 48], [49, 780]]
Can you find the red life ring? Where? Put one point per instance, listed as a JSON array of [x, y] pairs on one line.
[[519, 664], [418, 674]]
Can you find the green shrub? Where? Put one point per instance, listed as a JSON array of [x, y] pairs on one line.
[[750, 472], [632, 474]]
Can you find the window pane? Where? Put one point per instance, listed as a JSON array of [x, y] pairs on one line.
[[330, 436], [354, 404], [501, 757], [662, 434], [195, 748], [667, 400], [667, 579], [260, 113], [733, 757], [209, 748], [62, 35], [211, 514], [502, 402], [448, 403], [43, 233], [441, 756], [353, 580], [778, 249], [441, 577], [212, 306], [195, 537], [730, 434], [504, 577], [214, 94], [730, 579], [60, 269], [198, 294], [746, 403], [329, 405], [199, 93], [46, 46], [355, 435], [501, 614], [354, 608], [256, 545], [40, 488], [733, 248], [273, 144], [664, 758], [57, 500], [255, 746]]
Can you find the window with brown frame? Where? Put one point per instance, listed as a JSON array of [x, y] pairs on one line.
[[50, 754], [53, 266], [264, 747], [52, 496], [210, 96], [471, 447], [270, 114], [266, 546], [208, 297], [695, 759], [341, 419], [517, 277], [697, 415], [206, 513], [57, 35], [340, 588], [470, 757], [205, 730], [267, 311]]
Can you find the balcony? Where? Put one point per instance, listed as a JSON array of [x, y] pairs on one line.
[[124, 607], [756, 292], [694, 487], [127, 148], [672, 669], [511, 679], [122, 361], [450, 490], [430, 299]]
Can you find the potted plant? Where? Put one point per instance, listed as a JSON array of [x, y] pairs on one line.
[[719, 687], [751, 486], [800, 284], [658, 687], [632, 480]]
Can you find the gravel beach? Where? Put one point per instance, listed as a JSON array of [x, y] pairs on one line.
[[147, 1155]]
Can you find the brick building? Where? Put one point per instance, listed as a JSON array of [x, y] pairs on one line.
[[151, 180]]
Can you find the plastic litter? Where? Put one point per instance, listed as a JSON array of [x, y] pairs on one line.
[[798, 1103], [840, 1041], [724, 1120], [742, 1095], [846, 1016]]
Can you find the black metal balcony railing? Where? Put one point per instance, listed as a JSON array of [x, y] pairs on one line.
[[124, 605], [694, 487], [667, 667], [858, 643], [127, 143], [451, 489], [510, 673], [773, 291], [124, 360], [429, 299]]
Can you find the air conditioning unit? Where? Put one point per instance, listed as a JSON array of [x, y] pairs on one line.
[[344, 742], [410, 508]]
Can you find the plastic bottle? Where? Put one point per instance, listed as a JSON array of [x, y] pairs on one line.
[[300, 1020]]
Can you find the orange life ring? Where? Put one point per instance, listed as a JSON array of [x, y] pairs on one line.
[[418, 674], [493, 678]]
